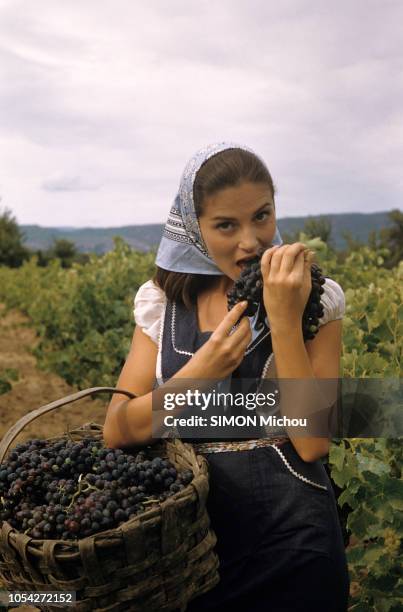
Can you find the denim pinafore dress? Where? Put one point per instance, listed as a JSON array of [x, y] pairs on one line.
[[279, 539]]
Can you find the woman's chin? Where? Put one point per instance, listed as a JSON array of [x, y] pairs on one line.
[[233, 275], [231, 278]]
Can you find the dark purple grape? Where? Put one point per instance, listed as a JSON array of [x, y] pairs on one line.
[[49, 472], [249, 286]]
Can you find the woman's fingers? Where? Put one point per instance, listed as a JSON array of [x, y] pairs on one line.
[[233, 316], [301, 271], [244, 327], [242, 335], [282, 258], [266, 260], [289, 258], [241, 330], [276, 257], [298, 269], [308, 259]]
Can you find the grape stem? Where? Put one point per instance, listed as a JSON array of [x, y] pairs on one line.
[[81, 489]]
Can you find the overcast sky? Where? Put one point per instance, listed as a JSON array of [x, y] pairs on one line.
[[104, 101]]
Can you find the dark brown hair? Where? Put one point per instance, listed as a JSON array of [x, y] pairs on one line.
[[226, 169]]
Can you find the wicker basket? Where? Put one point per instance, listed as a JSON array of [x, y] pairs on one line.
[[158, 560]]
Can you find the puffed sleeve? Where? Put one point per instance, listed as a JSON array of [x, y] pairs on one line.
[[333, 300], [149, 304]]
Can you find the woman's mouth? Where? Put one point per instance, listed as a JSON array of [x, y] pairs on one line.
[[242, 264]]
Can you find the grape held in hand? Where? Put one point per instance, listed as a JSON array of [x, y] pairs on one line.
[[249, 286]]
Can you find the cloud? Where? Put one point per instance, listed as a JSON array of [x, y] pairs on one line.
[[69, 183], [120, 95]]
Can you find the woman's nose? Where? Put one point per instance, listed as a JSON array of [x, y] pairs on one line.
[[249, 242]]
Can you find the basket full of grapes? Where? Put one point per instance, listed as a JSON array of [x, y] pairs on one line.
[[125, 529]]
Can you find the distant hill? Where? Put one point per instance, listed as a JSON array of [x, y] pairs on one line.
[[145, 237]]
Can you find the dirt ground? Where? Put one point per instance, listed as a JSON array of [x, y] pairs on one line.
[[36, 388]]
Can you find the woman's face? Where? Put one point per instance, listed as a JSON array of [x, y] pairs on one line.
[[236, 223]]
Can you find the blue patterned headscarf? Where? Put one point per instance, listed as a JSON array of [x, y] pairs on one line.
[[182, 248]]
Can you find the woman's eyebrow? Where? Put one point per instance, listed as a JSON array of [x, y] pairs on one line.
[[233, 219]]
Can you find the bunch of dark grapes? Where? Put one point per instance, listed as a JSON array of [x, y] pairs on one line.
[[249, 286], [68, 490]]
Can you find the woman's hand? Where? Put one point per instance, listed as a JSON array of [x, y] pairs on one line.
[[287, 283], [223, 352]]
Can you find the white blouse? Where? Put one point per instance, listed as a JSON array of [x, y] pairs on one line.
[[150, 303]]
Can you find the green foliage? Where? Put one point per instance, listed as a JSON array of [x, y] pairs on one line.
[[320, 229], [6, 377], [373, 322], [63, 250], [12, 250], [13, 253], [315, 243], [83, 317], [392, 238], [388, 239], [369, 471]]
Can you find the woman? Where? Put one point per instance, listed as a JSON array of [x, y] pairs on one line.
[[271, 503]]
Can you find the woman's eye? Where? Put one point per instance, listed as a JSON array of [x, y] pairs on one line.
[[224, 225], [264, 212], [221, 225]]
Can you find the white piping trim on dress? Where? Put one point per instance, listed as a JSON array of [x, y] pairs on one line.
[[173, 328], [172, 432], [173, 318], [297, 474], [264, 371], [160, 335]]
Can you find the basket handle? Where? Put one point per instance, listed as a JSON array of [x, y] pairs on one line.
[[37, 412]]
